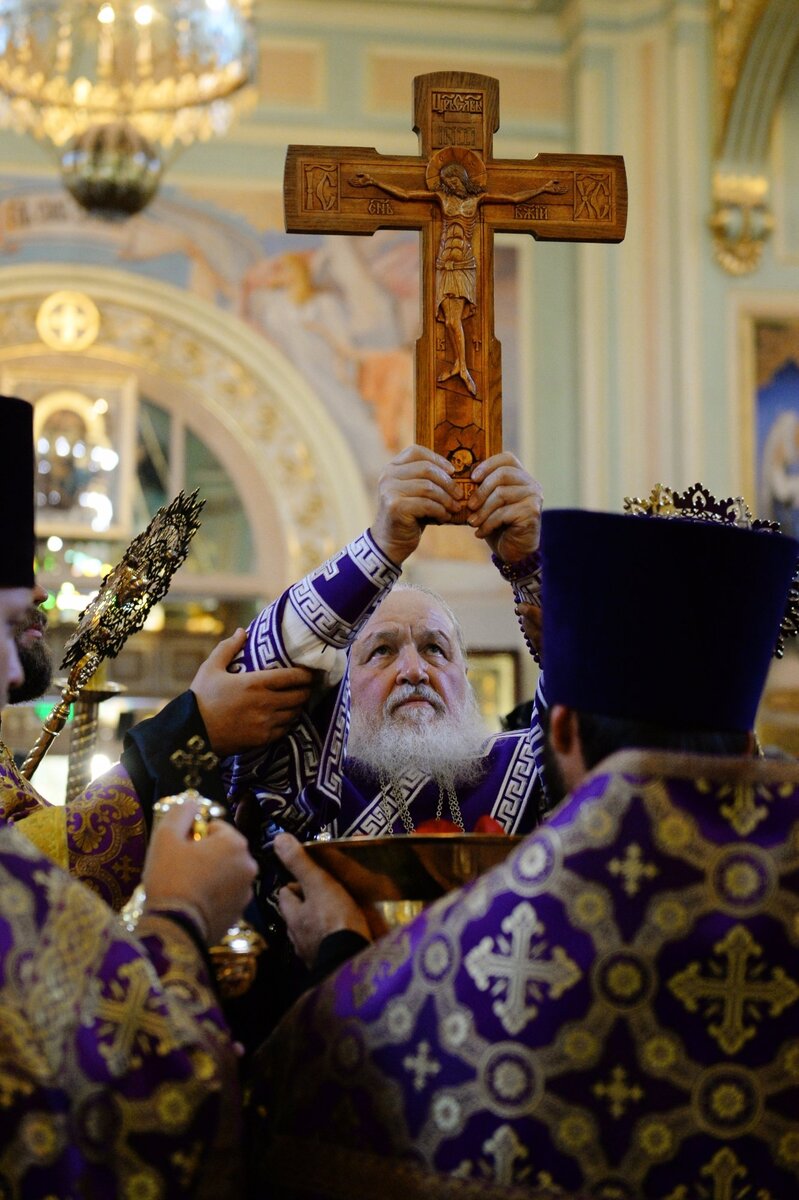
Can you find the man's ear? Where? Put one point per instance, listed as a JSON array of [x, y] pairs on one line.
[[563, 732]]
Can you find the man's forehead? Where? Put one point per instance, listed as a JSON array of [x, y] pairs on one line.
[[404, 608]]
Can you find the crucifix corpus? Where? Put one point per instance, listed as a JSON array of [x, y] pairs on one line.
[[457, 195]]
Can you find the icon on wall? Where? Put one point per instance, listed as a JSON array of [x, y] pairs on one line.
[[83, 463]]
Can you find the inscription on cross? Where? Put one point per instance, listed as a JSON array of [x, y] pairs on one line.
[[458, 196]]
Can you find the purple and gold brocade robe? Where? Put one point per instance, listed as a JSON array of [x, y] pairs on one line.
[[117, 1076], [100, 837], [302, 782], [613, 1011]]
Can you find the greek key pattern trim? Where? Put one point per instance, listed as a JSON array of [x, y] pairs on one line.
[[517, 785], [330, 777], [372, 562], [265, 641], [318, 616]]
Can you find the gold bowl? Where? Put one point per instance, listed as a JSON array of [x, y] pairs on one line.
[[400, 875]]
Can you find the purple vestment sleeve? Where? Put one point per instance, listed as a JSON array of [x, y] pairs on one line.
[[100, 836], [118, 1075]]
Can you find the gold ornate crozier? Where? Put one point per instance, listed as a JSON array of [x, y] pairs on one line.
[[120, 608], [83, 733], [457, 195]]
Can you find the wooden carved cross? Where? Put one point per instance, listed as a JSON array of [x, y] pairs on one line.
[[458, 196]]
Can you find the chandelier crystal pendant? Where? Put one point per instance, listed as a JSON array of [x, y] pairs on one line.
[[119, 87]]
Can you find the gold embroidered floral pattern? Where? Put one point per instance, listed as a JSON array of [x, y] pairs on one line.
[[729, 1178], [728, 1100], [97, 1046], [504, 1162], [632, 869], [394, 954], [129, 1023], [581, 1047], [655, 1139], [618, 1092], [576, 1027], [670, 916], [743, 812], [591, 907]]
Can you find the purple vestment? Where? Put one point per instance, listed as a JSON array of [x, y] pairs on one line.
[[117, 1076], [613, 1011], [302, 782], [100, 837]]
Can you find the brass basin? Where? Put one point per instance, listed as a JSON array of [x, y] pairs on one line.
[[399, 875]]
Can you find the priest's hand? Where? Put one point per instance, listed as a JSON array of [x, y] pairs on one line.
[[505, 507], [314, 904], [247, 708], [212, 876], [414, 490]]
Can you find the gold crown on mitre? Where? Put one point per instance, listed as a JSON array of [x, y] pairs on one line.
[[698, 504]]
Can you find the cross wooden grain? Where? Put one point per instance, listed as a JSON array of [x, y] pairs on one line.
[[457, 195]]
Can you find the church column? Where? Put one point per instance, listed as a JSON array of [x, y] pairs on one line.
[[637, 88], [689, 236]]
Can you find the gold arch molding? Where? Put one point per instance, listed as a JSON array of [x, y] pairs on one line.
[[755, 41], [299, 482]]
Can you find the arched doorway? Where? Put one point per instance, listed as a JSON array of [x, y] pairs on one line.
[[206, 402]]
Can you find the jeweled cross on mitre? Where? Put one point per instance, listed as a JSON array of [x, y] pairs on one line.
[[457, 195]]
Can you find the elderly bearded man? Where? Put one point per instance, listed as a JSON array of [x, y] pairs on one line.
[[392, 737]]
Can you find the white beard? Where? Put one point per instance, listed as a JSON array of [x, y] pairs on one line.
[[447, 745]]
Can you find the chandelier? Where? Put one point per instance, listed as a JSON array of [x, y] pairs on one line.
[[117, 88]]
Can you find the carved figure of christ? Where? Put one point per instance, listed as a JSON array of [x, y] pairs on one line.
[[457, 196], [456, 265]]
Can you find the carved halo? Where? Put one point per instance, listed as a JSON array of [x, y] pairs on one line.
[[470, 160]]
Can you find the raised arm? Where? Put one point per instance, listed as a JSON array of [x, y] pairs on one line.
[[364, 179], [553, 187], [319, 616]]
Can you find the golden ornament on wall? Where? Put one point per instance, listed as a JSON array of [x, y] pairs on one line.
[[68, 321]]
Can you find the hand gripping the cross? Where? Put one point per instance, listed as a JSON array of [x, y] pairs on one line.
[[417, 488], [505, 507]]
